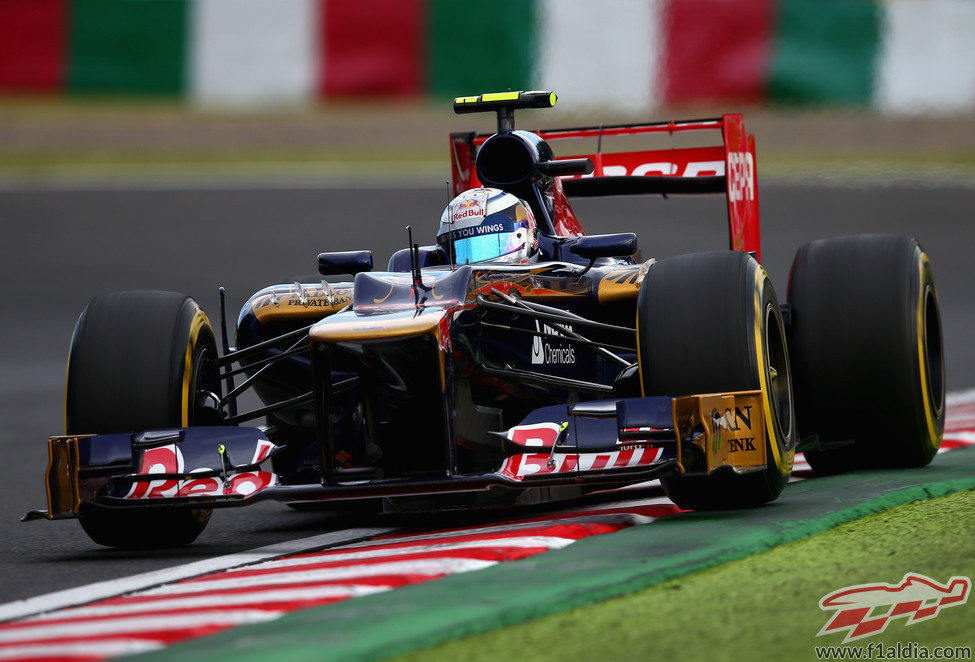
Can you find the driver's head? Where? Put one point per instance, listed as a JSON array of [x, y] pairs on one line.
[[488, 224]]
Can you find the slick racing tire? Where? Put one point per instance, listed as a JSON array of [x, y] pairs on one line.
[[868, 358], [141, 360], [710, 323]]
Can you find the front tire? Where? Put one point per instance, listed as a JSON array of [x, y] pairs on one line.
[[868, 352], [709, 323], [141, 360]]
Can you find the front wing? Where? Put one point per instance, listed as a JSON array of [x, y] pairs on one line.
[[611, 442]]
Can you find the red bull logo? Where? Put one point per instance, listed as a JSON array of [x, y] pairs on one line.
[[168, 460], [866, 609], [466, 209]]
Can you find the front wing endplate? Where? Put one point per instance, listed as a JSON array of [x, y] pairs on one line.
[[729, 428], [63, 496]]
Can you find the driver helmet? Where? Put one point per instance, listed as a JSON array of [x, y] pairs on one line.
[[484, 224]]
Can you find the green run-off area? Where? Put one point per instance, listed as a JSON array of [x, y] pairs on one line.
[[764, 607]]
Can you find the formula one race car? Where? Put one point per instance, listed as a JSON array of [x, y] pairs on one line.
[[518, 359]]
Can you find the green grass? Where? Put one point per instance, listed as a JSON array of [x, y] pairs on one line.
[[761, 607]]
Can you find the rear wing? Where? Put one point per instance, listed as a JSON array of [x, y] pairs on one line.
[[727, 167]]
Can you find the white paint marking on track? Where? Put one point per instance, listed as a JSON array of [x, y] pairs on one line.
[[959, 398], [268, 597], [624, 519], [431, 567], [84, 649], [548, 542], [140, 624], [111, 588]]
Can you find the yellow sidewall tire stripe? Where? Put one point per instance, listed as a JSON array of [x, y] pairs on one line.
[[782, 462], [933, 437], [199, 321]]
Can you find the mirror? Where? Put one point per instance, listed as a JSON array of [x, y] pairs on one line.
[[604, 245], [344, 262]]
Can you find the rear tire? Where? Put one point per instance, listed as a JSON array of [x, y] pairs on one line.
[[868, 356], [141, 360], [709, 323]]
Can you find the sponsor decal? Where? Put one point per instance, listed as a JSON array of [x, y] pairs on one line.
[[741, 180], [484, 228], [544, 352], [323, 302], [736, 421], [668, 169], [530, 464], [336, 298], [468, 209], [540, 435], [865, 610], [740, 170], [737, 445], [162, 460], [169, 460], [734, 426]]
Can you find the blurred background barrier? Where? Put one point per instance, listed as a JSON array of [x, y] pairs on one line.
[[900, 56]]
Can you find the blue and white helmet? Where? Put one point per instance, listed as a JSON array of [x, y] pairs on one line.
[[484, 224]]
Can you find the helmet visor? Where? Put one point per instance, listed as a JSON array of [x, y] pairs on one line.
[[468, 250]]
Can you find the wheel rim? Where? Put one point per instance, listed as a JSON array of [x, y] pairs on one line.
[[778, 375], [933, 351], [206, 382]]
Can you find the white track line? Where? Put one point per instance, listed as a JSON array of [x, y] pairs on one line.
[[136, 625], [960, 398], [624, 519], [84, 649], [430, 567], [113, 587], [547, 542], [267, 597]]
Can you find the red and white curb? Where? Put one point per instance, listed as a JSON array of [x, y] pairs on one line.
[[154, 610], [155, 617], [959, 420]]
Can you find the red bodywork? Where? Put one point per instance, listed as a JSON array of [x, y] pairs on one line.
[[733, 159]]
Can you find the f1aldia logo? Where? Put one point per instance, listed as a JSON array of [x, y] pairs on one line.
[[545, 352], [866, 609]]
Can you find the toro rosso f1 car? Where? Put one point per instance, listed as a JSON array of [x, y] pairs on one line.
[[517, 359]]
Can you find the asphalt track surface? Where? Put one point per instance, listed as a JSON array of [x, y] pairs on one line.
[[60, 248]]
